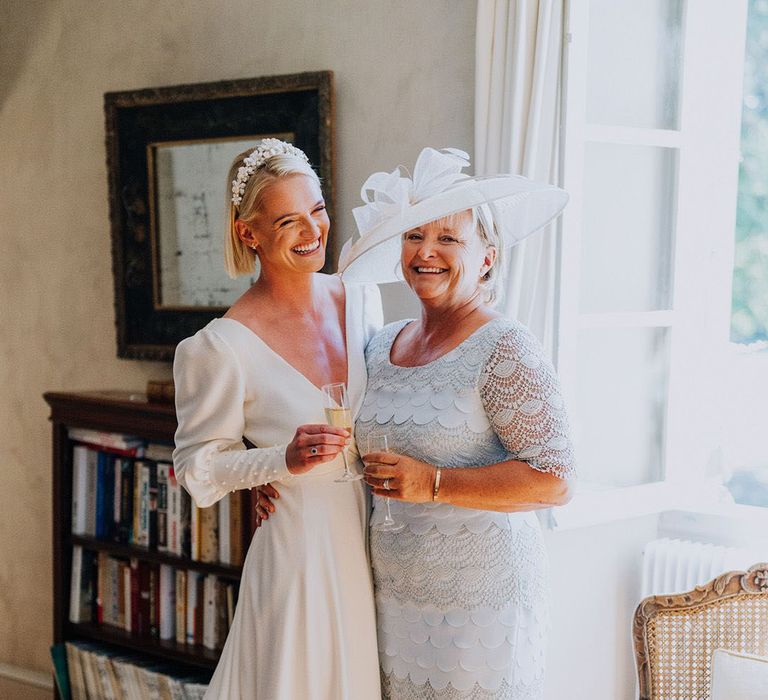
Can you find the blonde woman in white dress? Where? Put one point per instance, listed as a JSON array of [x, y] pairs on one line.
[[304, 625], [477, 431]]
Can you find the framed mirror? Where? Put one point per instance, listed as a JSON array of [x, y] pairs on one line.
[[168, 153]]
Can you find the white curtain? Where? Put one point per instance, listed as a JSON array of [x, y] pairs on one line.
[[517, 103]]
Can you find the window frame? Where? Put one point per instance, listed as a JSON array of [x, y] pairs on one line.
[[713, 36]]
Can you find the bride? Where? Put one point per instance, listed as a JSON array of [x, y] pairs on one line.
[[304, 625]]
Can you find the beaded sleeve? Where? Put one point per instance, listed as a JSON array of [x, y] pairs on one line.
[[210, 458], [521, 395]]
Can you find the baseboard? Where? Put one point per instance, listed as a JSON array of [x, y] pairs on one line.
[[27, 676]]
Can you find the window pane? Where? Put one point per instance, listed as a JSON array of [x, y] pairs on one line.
[[749, 320], [635, 44], [627, 236], [620, 405]]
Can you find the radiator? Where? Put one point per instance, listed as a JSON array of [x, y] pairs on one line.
[[676, 566]]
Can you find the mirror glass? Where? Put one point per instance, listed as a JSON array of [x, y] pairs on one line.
[[189, 221]]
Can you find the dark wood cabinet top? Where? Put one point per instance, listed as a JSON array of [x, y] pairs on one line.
[[116, 411]]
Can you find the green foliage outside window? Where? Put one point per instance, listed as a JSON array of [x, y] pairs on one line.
[[749, 318]]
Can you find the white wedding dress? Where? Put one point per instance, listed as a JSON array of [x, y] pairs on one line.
[[304, 626]]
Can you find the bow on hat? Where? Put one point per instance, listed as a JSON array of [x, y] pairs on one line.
[[388, 194]]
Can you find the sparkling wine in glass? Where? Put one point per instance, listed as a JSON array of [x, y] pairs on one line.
[[339, 414], [380, 443]]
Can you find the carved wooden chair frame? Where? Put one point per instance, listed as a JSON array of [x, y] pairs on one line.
[[751, 583]]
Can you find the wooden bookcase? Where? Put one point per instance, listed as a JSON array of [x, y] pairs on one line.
[[131, 414]]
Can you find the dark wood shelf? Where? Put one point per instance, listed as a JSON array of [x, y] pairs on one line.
[[130, 414], [196, 656], [120, 549]]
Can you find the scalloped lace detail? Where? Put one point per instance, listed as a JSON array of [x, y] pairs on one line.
[[405, 689], [485, 649], [466, 570], [461, 593]]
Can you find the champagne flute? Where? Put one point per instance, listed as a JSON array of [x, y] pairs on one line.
[[380, 443], [339, 414]]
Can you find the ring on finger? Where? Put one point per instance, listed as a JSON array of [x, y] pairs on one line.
[[386, 485], [313, 451]]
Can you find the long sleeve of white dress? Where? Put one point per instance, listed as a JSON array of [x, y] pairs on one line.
[[210, 458]]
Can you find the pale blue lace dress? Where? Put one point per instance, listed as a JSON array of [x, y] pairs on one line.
[[461, 594]]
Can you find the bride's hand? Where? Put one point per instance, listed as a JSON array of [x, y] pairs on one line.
[[312, 445], [408, 479]]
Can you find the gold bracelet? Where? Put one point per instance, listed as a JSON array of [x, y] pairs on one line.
[[437, 483]]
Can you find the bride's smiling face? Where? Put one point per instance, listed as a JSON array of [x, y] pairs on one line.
[[290, 228], [445, 260]]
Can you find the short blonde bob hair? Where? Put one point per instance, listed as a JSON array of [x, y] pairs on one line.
[[239, 259]]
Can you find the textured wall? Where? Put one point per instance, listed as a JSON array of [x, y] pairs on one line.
[[404, 73]]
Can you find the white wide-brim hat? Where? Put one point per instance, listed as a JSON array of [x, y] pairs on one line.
[[395, 204]]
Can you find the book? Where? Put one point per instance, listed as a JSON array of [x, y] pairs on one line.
[[222, 620], [237, 532], [210, 618], [145, 596], [159, 452], [60, 671], [154, 607], [174, 514], [141, 504], [209, 534], [117, 497], [125, 527], [181, 606], [192, 633], [101, 586], [76, 674], [199, 609], [82, 585], [79, 489], [105, 494], [135, 597], [92, 468], [123, 592], [152, 505], [225, 547], [75, 614], [163, 471], [167, 602], [106, 440], [185, 523], [195, 542], [114, 581], [127, 598]]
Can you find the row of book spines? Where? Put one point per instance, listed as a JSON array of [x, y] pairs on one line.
[[129, 500], [139, 502], [96, 672], [150, 600]]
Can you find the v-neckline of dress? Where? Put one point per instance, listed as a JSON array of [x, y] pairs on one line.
[[293, 368]]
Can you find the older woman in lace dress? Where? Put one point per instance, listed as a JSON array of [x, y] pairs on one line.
[[477, 432]]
